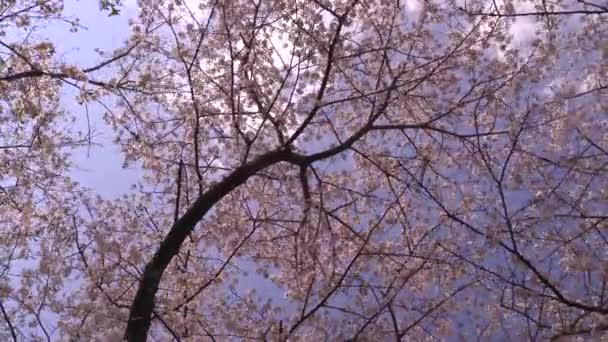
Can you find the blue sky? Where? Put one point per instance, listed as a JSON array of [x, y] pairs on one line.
[[99, 167]]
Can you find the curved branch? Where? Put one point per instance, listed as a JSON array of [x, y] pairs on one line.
[[143, 304]]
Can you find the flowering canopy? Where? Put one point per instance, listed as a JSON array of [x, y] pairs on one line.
[[311, 170]]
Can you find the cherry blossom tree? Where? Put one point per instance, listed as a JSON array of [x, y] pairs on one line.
[[312, 170]]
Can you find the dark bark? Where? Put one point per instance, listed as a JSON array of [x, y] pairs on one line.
[[142, 307]]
